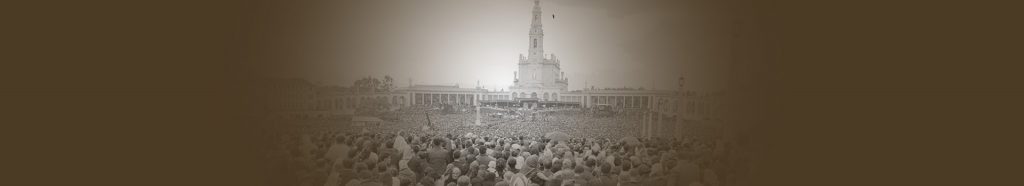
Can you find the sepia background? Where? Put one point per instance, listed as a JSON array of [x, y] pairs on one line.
[[838, 93]]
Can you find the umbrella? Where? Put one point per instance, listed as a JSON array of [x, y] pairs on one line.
[[557, 136], [630, 140]]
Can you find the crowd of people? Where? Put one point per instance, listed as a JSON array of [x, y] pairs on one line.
[[514, 122], [509, 151]]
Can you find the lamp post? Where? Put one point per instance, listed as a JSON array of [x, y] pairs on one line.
[[680, 101]]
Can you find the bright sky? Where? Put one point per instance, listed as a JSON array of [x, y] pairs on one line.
[[603, 43]]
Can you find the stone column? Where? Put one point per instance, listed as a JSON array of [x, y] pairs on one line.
[[643, 132], [478, 116], [647, 125], [657, 125]]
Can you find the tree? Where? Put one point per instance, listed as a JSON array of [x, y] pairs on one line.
[[368, 83], [361, 85], [372, 84], [389, 83]]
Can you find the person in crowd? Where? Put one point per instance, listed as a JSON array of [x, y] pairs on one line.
[[339, 148], [603, 176], [438, 155]]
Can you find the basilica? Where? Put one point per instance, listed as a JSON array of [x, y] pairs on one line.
[[538, 83], [540, 76]]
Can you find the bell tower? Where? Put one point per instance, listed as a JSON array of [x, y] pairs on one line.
[[536, 35], [538, 72]]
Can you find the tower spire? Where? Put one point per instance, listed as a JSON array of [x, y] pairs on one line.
[[536, 34]]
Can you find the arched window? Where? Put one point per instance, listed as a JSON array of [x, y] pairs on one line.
[[534, 43], [534, 95]]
